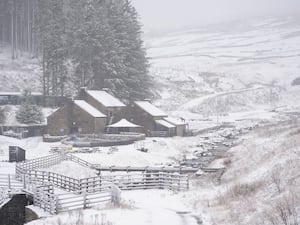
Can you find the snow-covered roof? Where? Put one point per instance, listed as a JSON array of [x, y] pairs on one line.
[[175, 121], [106, 99], [165, 124], [124, 123], [151, 109], [88, 108], [13, 93]]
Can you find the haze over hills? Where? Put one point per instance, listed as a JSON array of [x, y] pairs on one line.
[[228, 67], [255, 61]]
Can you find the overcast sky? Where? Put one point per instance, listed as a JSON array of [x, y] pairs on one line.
[[164, 14]]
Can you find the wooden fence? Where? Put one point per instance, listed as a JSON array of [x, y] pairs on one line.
[[88, 192], [145, 169], [83, 200], [79, 161], [42, 162], [35, 185], [147, 178], [52, 203], [10, 182]]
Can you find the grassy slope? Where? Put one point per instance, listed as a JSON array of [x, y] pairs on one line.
[[261, 181], [205, 61]]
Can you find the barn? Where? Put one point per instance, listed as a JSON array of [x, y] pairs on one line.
[[76, 117], [147, 115], [112, 107], [97, 112], [155, 121]]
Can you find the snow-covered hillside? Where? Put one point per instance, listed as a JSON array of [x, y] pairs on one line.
[[215, 59], [261, 182]]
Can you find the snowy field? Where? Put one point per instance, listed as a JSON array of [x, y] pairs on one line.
[[228, 67], [137, 208]]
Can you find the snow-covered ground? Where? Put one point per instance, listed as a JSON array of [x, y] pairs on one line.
[[262, 178], [236, 74], [228, 67], [35, 147], [138, 208]]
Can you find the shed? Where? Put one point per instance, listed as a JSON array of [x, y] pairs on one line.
[[16, 154], [162, 125], [181, 125], [124, 126], [144, 113]]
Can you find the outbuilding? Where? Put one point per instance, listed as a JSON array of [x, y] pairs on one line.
[[76, 117], [104, 102], [180, 124], [124, 126]]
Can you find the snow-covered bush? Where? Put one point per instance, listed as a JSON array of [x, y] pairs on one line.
[[284, 211], [30, 114], [2, 115]]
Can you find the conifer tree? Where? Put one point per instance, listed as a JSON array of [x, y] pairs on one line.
[[93, 43], [29, 113]]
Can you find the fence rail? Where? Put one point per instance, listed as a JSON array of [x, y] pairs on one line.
[[10, 182], [88, 192], [148, 178], [42, 162]]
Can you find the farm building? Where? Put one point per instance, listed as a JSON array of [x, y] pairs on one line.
[[76, 117], [107, 104], [97, 112], [180, 124], [154, 120]]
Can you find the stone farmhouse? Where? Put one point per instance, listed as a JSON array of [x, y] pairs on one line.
[[155, 121], [95, 112]]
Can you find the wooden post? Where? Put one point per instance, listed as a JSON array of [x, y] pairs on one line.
[[84, 199], [9, 184], [56, 204], [24, 181], [115, 195]]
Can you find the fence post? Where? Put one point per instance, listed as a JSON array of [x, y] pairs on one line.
[[115, 195], [84, 199], [187, 183], [56, 204], [24, 181], [9, 184]]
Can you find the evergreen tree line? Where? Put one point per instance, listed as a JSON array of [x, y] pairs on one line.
[[16, 25], [91, 43]]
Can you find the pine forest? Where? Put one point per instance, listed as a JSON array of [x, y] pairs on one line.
[[91, 43]]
